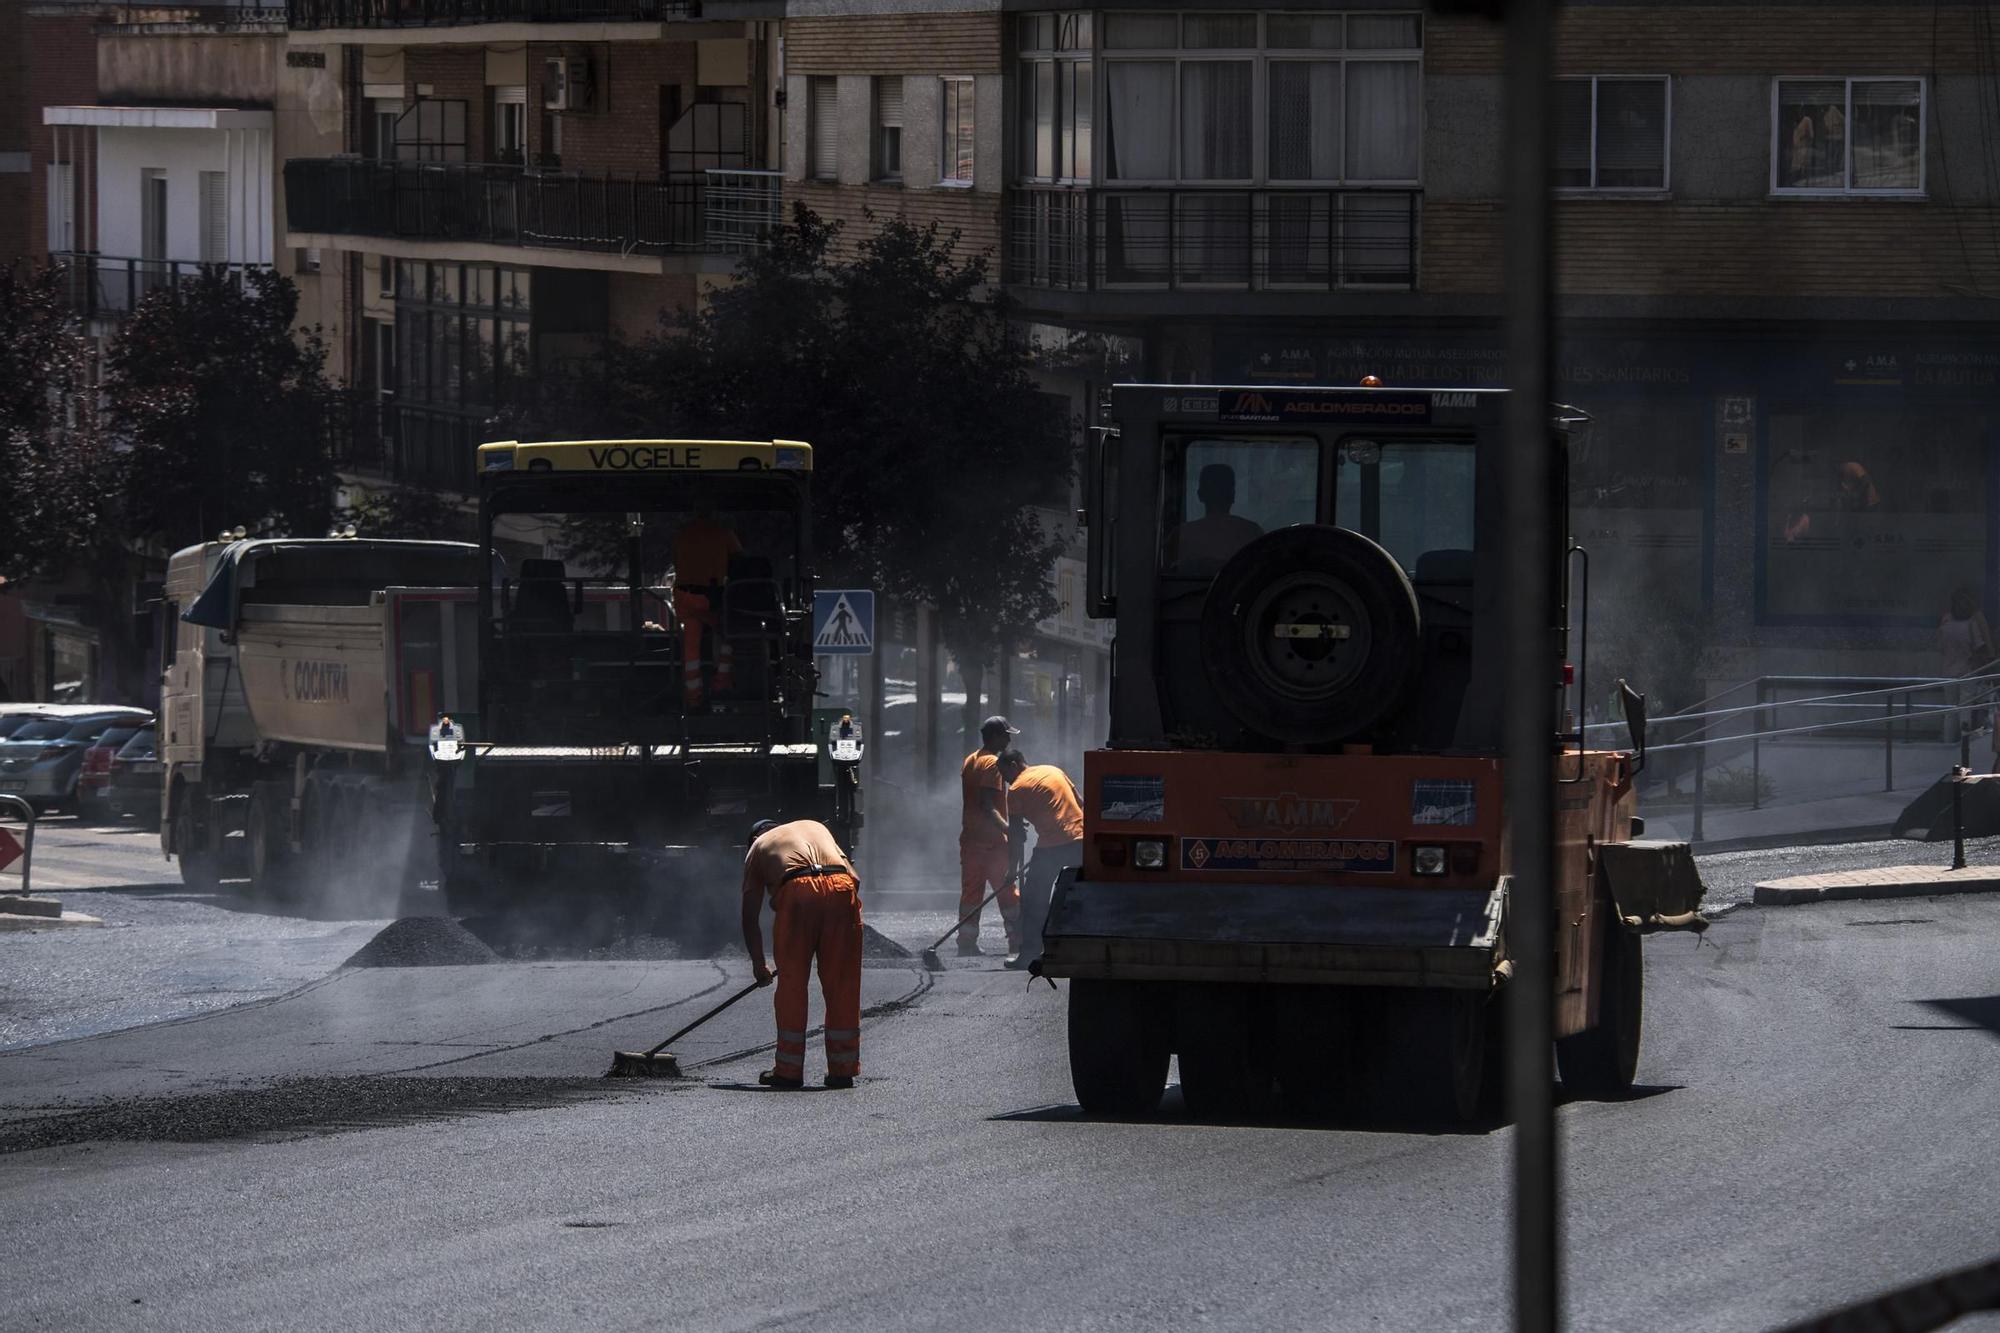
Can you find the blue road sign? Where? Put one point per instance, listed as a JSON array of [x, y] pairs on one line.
[[844, 621]]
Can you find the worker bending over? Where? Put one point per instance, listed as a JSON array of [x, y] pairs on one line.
[[817, 897], [983, 841], [1040, 796]]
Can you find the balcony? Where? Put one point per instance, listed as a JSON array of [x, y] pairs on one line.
[[718, 211], [110, 287], [319, 15], [1211, 239]]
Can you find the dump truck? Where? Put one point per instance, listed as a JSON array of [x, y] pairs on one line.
[[300, 680], [646, 684], [1295, 873]]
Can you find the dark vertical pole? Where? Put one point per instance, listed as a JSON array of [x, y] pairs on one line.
[[1529, 567]]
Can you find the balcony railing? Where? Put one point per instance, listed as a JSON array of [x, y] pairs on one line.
[[110, 287], [314, 14], [1081, 239], [510, 205]]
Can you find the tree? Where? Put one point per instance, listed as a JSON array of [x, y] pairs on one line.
[[49, 449], [933, 445], [222, 407], [411, 512]]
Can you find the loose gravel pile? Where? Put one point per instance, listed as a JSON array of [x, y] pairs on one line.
[[874, 944], [423, 941], [299, 1106]]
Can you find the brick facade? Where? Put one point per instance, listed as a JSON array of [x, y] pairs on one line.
[[976, 217], [63, 72], [894, 44]]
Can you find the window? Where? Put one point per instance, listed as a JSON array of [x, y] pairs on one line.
[[510, 123], [1611, 134], [1055, 87], [433, 130], [1848, 136], [955, 138], [62, 208], [214, 217], [383, 113], [152, 214], [1249, 98], [1223, 493], [460, 347], [823, 128], [1414, 497], [888, 147]]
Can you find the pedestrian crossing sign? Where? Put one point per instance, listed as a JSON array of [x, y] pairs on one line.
[[844, 621]]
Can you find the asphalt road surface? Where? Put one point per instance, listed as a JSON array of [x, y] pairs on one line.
[[431, 1147]]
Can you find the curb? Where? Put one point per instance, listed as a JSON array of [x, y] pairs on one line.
[[19, 921], [1891, 882], [1764, 842]]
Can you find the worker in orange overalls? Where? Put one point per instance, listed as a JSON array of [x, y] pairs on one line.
[[983, 841], [702, 549], [1040, 796], [817, 896]]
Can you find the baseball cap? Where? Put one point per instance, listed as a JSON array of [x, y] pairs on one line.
[[759, 829], [998, 723]]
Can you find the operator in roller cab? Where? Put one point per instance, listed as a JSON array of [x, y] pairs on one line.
[[1293, 875], [646, 682]]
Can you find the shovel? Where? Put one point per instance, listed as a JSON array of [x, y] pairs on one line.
[[932, 963], [660, 1062]]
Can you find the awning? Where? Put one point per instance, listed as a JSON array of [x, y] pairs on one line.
[[158, 117]]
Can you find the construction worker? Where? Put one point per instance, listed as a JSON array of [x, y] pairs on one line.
[[983, 841], [702, 548], [817, 897], [1040, 796]]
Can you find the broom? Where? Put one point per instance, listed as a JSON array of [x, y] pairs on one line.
[[660, 1062]]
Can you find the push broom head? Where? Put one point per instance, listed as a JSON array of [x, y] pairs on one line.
[[933, 963], [644, 1064]]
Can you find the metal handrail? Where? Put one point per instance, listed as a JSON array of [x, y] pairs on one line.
[[1906, 683]]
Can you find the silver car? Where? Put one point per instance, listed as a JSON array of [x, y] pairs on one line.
[[40, 760]]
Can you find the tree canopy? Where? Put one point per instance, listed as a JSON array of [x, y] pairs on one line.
[[49, 450], [933, 444]]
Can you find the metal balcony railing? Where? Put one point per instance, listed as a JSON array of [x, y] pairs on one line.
[[1267, 239], [740, 208], [307, 15], [109, 287], [511, 205]]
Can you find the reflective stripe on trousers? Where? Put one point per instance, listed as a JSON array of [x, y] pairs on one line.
[[819, 918]]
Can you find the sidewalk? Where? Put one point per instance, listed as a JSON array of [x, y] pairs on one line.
[[1886, 882]]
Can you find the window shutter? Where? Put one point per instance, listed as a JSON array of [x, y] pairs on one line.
[[825, 128], [1631, 134], [214, 217], [889, 103], [1572, 147]]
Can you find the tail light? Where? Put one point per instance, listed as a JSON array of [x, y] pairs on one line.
[[1111, 851]]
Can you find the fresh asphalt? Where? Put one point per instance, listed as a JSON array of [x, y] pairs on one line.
[[431, 1148]]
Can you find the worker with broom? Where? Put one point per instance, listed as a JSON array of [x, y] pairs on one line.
[[1040, 796], [982, 841], [817, 897]]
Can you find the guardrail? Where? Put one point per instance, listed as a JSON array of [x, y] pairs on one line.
[[1267, 239], [313, 14], [109, 286]]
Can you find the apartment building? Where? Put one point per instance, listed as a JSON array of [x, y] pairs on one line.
[[1777, 224], [514, 179]]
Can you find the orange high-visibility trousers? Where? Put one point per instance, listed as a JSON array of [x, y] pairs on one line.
[[698, 625], [819, 916], [981, 865]]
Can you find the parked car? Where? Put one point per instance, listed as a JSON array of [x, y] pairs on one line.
[[135, 780], [93, 778], [41, 760]]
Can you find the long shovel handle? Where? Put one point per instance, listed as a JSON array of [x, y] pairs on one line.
[[705, 1017], [990, 896]]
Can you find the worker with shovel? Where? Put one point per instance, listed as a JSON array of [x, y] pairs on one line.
[[817, 896], [1040, 796], [982, 840]]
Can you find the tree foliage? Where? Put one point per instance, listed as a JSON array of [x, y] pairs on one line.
[[49, 448], [933, 445], [410, 512], [222, 408]]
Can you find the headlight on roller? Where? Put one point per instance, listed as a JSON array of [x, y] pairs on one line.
[[1149, 854], [1428, 859]]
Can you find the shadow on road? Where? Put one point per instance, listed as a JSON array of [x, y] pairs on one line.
[[1173, 1111], [1979, 1012]]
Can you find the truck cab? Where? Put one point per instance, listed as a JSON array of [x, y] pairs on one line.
[[1294, 873]]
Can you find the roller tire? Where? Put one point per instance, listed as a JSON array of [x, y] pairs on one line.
[[1429, 1054], [1118, 1048], [1220, 1035], [1603, 1061], [200, 864], [1302, 691]]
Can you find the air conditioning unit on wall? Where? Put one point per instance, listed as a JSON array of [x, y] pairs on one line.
[[566, 83]]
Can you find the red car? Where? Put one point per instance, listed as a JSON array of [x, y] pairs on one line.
[[93, 780]]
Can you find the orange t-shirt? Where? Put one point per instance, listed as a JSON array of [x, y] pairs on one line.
[[981, 773], [1044, 796], [702, 549]]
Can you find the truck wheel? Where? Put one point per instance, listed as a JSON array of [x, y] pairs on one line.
[[1431, 1050], [1602, 1061], [201, 865], [271, 867], [1269, 627], [1118, 1047], [1226, 1072]]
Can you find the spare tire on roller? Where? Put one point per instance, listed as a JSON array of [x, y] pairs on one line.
[[1310, 635]]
